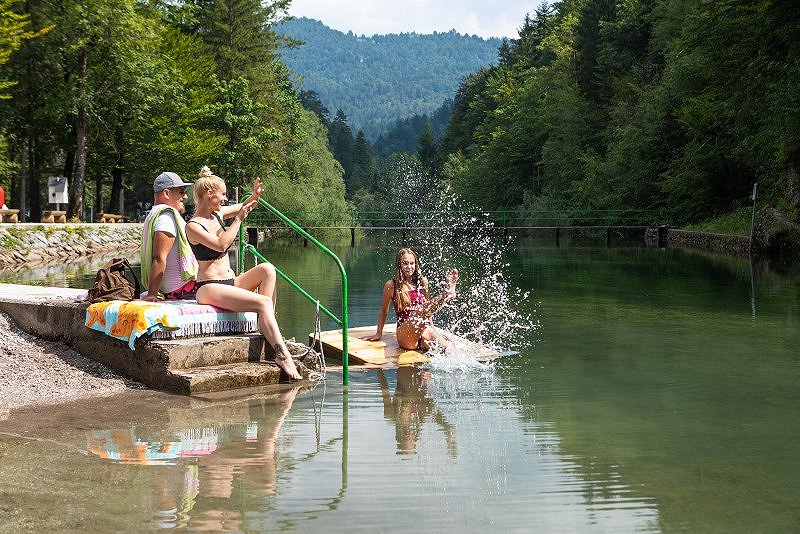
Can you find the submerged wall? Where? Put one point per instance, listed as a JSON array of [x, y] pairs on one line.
[[34, 243]]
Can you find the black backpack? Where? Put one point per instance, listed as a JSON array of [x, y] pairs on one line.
[[111, 283]]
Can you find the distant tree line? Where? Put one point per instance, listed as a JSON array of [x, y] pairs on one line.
[[111, 93], [675, 105], [679, 106]]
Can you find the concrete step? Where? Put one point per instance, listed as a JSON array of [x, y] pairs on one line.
[[183, 365], [232, 376]]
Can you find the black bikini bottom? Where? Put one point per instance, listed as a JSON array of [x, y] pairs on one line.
[[228, 282]]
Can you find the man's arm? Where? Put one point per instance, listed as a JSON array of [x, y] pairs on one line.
[[162, 244]]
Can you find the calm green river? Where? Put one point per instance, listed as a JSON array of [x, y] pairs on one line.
[[655, 391]]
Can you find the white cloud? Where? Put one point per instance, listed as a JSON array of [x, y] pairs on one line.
[[487, 18]]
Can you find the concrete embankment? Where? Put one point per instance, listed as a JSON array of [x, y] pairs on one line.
[[35, 243], [775, 238], [186, 365]]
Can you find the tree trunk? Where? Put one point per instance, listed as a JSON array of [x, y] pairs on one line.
[[76, 191], [98, 194], [34, 187], [23, 179], [116, 204], [69, 165]]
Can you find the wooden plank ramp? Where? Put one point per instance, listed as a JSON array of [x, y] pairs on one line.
[[386, 351]]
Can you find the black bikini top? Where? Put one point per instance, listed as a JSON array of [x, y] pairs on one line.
[[202, 252]]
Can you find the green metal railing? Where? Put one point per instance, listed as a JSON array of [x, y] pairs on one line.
[[464, 218], [244, 246]]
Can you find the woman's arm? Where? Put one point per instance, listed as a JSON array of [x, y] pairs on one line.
[[388, 295], [230, 211], [219, 242]]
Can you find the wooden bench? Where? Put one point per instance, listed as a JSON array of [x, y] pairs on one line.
[[54, 216], [110, 218], [9, 216]]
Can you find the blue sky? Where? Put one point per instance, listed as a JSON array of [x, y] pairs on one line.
[[487, 18]]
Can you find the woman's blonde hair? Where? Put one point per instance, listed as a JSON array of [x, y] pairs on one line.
[[401, 298], [208, 181]]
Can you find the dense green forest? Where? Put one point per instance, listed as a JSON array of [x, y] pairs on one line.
[[404, 133], [673, 105], [379, 79], [677, 105], [112, 92]]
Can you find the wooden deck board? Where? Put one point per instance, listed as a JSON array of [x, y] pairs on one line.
[[386, 351]]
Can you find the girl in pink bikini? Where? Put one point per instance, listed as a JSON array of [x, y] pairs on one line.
[[408, 292]]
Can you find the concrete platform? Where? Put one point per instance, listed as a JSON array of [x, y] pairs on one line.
[[186, 366]]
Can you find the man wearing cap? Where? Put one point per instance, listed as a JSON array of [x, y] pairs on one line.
[[168, 264]]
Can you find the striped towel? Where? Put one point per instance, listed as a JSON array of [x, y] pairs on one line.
[[178, 318]]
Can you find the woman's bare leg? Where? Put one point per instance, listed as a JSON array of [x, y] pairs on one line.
[[263, 277], [408, 334], [240, 299], [441, 337]]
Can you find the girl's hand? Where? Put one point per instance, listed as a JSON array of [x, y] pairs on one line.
[[375, 337]]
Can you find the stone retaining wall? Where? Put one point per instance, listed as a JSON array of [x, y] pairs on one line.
[[34, 243], [721, 243]]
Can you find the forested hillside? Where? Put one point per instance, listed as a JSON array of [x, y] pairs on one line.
[[110, 93], [379, 79], [677, 105]]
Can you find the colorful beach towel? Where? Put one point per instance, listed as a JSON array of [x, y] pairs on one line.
[[129, 321]]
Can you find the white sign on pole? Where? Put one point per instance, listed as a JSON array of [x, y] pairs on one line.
[[57, 192]]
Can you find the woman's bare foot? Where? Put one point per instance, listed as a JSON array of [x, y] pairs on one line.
[[285, 362]]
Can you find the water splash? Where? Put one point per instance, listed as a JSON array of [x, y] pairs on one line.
[[451, 233]]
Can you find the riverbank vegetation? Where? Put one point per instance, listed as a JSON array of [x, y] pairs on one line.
[[111, 93], [674, 106], [645, 104]]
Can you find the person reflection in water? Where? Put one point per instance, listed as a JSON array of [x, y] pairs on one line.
[[249, 463], [407, 291], [411, 407], [199, 478]]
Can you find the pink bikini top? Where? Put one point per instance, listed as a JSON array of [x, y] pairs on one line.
[[417, 298]]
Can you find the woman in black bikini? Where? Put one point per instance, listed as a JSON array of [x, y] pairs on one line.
[[216, 283]]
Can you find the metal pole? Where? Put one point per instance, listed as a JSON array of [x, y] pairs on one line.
[[753, 219]]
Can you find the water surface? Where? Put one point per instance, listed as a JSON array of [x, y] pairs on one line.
[[658, 393]]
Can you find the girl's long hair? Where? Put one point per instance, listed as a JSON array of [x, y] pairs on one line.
[[401, 298]]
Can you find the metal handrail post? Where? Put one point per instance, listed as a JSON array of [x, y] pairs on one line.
[[344, 319]]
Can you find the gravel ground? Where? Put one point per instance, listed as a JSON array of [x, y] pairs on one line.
[[35, 371]]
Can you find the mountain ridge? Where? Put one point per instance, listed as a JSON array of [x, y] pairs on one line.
[[379, 79]]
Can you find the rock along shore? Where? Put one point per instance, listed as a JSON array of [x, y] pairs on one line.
[[35, 243]]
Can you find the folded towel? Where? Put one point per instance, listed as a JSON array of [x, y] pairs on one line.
[[130, 320]]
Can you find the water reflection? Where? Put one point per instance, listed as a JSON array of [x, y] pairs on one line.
[[58, 272], [232, 453], [650, 400], [410, 407]]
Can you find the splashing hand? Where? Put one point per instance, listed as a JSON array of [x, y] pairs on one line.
[[452, 279]]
